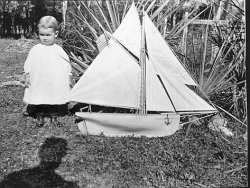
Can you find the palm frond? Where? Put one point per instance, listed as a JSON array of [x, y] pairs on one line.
[[157, 12], [112, 14], [105, 18], [150, 6]]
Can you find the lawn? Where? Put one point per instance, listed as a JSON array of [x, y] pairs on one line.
[[201, 158]]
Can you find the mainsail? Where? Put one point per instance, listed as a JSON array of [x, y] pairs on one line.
[[113, 79]]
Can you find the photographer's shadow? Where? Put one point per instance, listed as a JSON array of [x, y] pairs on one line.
[[42, 176]]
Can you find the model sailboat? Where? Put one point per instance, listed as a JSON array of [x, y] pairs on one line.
[[137, 70]]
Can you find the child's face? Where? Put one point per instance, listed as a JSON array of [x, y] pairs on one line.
[[47, 36]]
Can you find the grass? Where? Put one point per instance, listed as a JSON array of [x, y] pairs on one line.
[[203, 158]]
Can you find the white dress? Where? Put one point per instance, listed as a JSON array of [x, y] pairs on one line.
[[49, 71]]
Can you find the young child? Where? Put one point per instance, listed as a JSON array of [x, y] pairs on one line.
[[47, 75]]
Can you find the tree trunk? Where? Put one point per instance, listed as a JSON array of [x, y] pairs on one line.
[[65, 3], [184, 40], [235, 101]]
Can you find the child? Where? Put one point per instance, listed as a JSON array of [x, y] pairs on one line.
[[47, 75]]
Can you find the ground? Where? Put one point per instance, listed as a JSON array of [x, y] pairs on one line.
[[195, 158]]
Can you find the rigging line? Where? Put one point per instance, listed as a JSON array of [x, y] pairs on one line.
[[197, 112], [196, 120], [191, 76], [158, 76], [124, 48], [182, 64], [137, 60]]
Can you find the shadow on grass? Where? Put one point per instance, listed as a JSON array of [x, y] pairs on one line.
[[42, 176]]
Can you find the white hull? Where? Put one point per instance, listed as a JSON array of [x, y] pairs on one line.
[[118, 124]]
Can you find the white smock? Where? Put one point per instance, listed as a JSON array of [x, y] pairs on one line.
[[49, 71]]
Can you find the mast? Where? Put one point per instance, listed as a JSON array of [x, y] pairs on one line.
[[142, 61]]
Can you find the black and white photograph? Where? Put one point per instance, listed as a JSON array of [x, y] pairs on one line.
[[123, 94]]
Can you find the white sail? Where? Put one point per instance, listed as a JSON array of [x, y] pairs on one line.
[[129, 31], [184, 99], [156, 96], [163, 57], [172, 73], [113, 79]]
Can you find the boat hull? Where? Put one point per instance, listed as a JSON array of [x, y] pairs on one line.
[[118, 124]]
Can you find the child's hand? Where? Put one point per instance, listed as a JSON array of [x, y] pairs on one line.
[[27, 80]]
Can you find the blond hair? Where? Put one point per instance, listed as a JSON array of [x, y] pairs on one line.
[[48, 22]]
